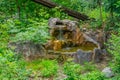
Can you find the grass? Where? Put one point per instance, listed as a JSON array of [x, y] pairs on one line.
[[46, 68]]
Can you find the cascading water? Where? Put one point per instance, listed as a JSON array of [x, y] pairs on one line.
[[60, 33]]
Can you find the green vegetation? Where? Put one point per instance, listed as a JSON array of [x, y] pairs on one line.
[[25, 20], [12, 67], [72, 70], [75, 71], [36, 32], [47, 68], [114, 49], [94, 75]]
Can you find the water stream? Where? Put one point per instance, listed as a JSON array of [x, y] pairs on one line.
[[61, 33]]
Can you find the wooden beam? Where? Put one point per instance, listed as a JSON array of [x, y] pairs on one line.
[[46, 3]]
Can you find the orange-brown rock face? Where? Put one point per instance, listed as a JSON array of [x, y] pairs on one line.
[[57, 45], [69, 32], [54, 45], [78, 37]]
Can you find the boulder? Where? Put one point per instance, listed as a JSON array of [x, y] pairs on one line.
[[56, 22], [97, 36], [82, 56], [108, 72], [87, 56], [97, 55], [53, 22], [28, 49]]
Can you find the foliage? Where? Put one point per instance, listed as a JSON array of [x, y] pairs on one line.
[[37, 34], [72, 71], [47, 68], [113, 6], [82, 7], [96, 24], [95, 14], [4, 36], [14, 30], [11, 67], [112, 24], [27, 9], [94, 75], [82, 72], [114, 49], [116, 77]]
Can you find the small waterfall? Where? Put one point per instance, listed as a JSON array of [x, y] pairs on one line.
[[61, 33]]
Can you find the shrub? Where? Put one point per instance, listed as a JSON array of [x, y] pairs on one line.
[[96, 12], [35, 32], [4, 36], [16, 30], [48, 68], [96, 24], [72, 70], [94, 75], [45, 68], [114, 50], [11, 67]]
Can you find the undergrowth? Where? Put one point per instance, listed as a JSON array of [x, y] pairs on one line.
[[12, 67], [45, 68]]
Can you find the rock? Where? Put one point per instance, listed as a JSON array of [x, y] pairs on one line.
[[104, 52], [57, 45], [97, 36], [53, 22], [69, 30], [49, 45], [84, 29], [89, 39], [87, 56], [71, 25], [82, 56], [61, 75], [67, 33], [28, 49], [108, 72], [97, 55], [56, 22]]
